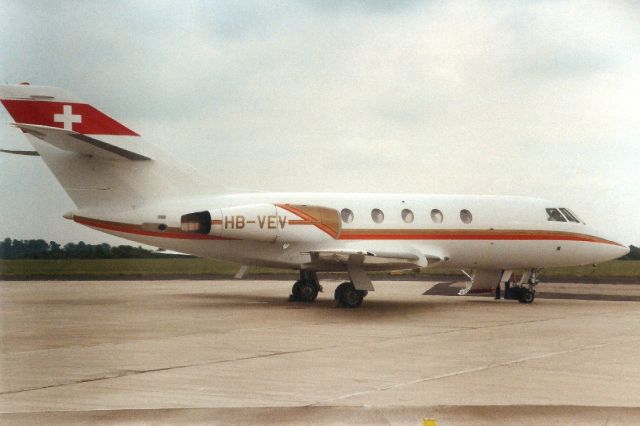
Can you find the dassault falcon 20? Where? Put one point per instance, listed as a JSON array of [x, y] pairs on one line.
[[126, 187]]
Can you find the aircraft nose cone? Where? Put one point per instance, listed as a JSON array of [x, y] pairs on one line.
[[616, 251], [624, 250], [612, 249]]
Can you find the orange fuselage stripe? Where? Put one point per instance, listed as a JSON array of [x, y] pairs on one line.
[[137, 230], [310, 219], [471, 235], [370, 234]]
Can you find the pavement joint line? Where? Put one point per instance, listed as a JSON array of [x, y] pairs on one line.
[[467, 371], [277, 353], [126, 373], [502, 324]]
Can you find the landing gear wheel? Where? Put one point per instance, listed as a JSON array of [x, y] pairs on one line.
[[303, 291], [526, 296], [347, 296], [295, 291], [307, 292]]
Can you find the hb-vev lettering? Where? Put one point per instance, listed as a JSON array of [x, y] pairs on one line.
[[264, 221]]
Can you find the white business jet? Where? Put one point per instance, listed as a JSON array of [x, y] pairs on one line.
[[124, 186]]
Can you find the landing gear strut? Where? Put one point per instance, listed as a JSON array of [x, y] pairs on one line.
[[525, 290], [347, 296], [306, 288]]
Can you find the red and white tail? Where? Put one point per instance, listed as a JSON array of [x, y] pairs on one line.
[[97, 160], [50, 106]]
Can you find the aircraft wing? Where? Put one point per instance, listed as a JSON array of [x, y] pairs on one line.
[[20, 152], [68, 140], [383, 259], [359, 260]]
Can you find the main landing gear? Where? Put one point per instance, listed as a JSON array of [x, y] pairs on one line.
[[306, 288], [348, 296]]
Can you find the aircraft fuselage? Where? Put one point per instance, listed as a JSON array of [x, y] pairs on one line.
[[502, 232]]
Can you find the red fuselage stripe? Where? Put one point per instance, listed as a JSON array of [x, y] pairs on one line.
[[136, 230], [309, 219], [452, 235], [512, 236]]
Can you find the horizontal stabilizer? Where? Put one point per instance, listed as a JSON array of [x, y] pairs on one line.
[[68, 140]]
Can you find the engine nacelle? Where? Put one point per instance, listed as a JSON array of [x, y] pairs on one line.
[[266, 222], [258, 222]]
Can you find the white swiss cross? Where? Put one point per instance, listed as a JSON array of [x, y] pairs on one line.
[[67, 117]]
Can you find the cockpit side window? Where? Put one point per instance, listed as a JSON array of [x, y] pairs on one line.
[[554, 215], [569, 215], [577, 217]]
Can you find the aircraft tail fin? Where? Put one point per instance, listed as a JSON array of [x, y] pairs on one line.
[[96, 159]]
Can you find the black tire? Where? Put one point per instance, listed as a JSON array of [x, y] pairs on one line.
[[348, 296], [526, 296], [295, 291], [337, 295], [307, 291]]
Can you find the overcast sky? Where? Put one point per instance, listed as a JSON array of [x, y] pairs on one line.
[[537, 98]]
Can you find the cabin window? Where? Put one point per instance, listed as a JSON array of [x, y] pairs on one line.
[[197, 223], [407, 216], [465, 216], [346, 215], [554, 215], [436, 216], [377, 215], [567, 213]]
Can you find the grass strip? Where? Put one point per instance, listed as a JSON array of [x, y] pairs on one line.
[[194, 268]]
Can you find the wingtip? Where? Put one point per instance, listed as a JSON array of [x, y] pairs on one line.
[[20, 152]]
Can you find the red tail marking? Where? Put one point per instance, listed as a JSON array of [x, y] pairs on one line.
[[82, 118]]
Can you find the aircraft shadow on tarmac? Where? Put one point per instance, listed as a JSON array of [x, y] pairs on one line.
[[452, 288], [372, 306], [379, 307]]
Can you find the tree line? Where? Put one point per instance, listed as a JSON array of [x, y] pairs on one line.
[[634, 254], [40, 249]]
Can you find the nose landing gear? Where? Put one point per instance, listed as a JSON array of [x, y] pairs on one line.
[[525, 289], [526, 295]]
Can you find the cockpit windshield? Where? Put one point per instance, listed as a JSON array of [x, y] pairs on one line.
[[554, 215], [562, 215], [569, 215]]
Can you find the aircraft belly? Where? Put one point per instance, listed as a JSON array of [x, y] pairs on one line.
[[458, 254], [518, 254]]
